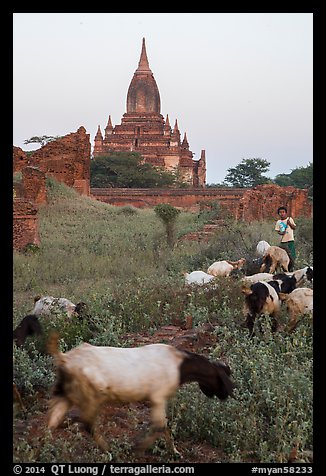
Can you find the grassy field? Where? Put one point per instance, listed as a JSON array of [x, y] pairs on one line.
[[117, 260]]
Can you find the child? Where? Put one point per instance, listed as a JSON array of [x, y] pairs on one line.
[[285, 227]]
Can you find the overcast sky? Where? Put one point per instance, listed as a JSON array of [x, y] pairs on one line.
[[239, 84]]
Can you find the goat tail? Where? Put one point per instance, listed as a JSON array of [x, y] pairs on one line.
[[53, 344], [53, 348], [266, 263]]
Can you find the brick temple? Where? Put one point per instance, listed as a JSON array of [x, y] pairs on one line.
[[144, 130]]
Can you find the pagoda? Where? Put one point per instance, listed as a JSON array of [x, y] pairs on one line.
[[144, 130]]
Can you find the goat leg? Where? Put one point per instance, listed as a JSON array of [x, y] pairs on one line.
[[89, 416], [58, 408], [153, 434]]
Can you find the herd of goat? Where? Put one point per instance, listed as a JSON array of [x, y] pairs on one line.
[[265, 291], [88, 376]]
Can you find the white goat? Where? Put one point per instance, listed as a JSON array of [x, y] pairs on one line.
[[261, 248], [274, 257], [88, 376], [198, 277], [254, 278], [224, 268], [298, 302]]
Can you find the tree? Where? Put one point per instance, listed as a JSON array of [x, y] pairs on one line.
[[41, 139], [300, 177], [127, 169], [248, 173], [168, 214]]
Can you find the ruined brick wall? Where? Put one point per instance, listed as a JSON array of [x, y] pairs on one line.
[[29, 192], [20, 159], [67, 160], [243, 204], [25, 224], [34, 185], [263, 201], [188, 199]]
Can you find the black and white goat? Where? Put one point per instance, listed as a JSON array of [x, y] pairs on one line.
[[303, 275], [48, 305], [88, 376], [263, 297]]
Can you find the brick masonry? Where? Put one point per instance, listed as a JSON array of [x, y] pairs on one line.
[[67, 160], [243, 204], [25, 224]]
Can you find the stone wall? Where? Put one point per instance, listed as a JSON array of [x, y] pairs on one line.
[[258, 203]]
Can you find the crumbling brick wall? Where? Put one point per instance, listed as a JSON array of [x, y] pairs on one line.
[[20, 159], [67, 160], [258, 203], [34, 185], [25, 224], [263, 201]]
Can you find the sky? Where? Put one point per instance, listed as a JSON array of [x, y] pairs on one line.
[[239, 84]]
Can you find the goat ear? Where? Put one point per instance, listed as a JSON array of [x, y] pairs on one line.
[[227, 382], [36, 298], [245, 290]]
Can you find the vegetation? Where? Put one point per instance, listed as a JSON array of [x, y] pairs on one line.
[[42, 140], [249, 173], [127, 169], [118, 261], [168, 214]]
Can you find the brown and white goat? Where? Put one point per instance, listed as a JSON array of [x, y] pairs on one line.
[[298, 302], [275, 257], [88, 376], [224, 268]]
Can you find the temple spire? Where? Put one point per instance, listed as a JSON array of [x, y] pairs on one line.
[[167, 127], [143, 65], [99, 133], [98, 142], [109, 128], [185, 142]]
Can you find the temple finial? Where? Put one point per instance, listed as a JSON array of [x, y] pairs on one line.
[[143, 64]]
